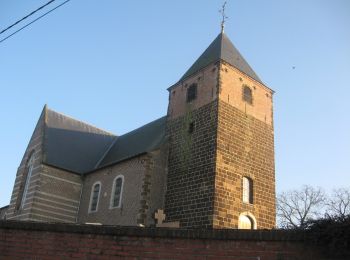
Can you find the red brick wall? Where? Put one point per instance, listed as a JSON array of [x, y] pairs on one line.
[[30, 240]]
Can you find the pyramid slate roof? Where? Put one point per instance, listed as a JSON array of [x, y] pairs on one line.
[[221, 49], [78, 147]]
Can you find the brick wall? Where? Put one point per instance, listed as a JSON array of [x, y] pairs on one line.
[[3, 211], [231, 85], [34, 149], [53, 194], [26, 240], [133, 171], [57, 196], [206, 81]]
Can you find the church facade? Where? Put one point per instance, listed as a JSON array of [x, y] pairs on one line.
[[209, 163]]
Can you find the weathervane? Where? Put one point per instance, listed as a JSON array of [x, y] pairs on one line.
[[224, 17]]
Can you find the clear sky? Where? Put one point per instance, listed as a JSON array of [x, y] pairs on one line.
[[109, 63]]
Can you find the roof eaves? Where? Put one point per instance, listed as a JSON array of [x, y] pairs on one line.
[[62, 168], [125, 158], [191, 75]]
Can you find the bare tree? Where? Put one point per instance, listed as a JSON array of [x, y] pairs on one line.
[[296, 207], [338, 204]]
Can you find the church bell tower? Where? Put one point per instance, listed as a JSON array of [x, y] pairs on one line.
[[221, 144]]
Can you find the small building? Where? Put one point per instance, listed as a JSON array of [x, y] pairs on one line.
[[208, 163]]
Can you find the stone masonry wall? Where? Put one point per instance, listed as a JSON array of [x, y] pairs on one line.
[[156, 183], [41, 241], [244, 149], [191, 169]]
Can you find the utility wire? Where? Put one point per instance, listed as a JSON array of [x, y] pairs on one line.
[[20, 29], [25, 17]]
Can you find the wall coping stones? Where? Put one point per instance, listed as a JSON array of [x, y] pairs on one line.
[[214, 234]]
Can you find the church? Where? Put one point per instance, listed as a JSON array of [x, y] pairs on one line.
[[208, 163]]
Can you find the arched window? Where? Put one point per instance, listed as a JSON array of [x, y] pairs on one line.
[[192, 92], [247, 94], [117, 191], [247, 187], [95, 196], [246, 221], [27, 176]]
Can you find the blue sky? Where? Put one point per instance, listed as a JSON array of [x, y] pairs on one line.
[[109, 63]]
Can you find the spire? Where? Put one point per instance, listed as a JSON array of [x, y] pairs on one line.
[[224, 17], [221, 49]]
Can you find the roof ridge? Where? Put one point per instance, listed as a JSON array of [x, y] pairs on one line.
[[105, 153], [80, 121], [98, 164], [135, 142]]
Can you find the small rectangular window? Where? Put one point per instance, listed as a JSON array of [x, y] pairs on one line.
[[247, 94], [191, 128], [247, 187], [191, 93]]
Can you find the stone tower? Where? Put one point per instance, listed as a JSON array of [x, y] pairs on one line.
[[221, 144]]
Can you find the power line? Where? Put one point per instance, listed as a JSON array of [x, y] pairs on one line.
[[25, 17], [20, 29]]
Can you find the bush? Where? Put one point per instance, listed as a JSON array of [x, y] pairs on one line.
[[332, 234]]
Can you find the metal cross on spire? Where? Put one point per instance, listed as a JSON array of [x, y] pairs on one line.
[[224, 17]]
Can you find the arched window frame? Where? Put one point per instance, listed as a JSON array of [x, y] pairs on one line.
[[111, 206], [251, 217], [92, 194], [247, 190], [29, 171], [247, 94]]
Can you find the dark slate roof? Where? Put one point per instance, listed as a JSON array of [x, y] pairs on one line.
[[71, 144], [81, 148], [221, 48], [144, 139]]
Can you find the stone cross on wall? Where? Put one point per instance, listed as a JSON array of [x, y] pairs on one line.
[[160, 217]]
